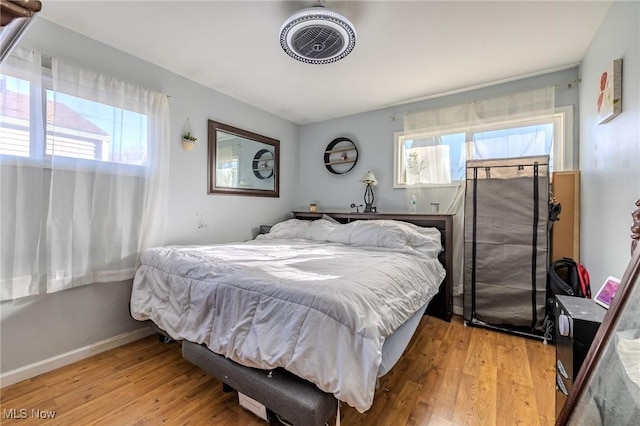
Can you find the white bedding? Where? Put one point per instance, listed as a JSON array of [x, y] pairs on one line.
[[316, 298]]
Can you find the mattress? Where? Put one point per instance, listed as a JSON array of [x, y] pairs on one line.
[[395, 345], [317, 299]]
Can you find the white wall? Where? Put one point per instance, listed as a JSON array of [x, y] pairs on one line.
[[610, 153], [41, 327], [373, 134]]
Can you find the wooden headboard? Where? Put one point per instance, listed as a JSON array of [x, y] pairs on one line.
[[442, 304]]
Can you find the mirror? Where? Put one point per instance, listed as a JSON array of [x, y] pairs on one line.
[[242, 162], [607, 388]]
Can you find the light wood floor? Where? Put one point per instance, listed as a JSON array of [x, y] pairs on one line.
[[450, 375]]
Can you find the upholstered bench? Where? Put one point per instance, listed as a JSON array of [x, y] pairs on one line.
[[292, 398]]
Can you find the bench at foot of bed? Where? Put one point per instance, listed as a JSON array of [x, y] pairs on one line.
[[292, 398]]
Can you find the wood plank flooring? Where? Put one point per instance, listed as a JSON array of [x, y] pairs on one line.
[[449, 375]]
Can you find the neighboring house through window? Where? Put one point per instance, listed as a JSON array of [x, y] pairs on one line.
[[75, 127]]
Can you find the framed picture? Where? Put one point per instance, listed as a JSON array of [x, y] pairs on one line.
[[610, 92], [607, 292]]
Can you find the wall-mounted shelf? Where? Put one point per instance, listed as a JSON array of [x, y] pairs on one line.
[[348, 148], [340, 162], [263, 164], [341, 152]]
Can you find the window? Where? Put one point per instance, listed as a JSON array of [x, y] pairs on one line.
[[83, 165], [15, 113], [438, 158], [227, 172], [76, 128]]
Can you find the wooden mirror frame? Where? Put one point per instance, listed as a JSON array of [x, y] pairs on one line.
[[604, 337], [213, 128]]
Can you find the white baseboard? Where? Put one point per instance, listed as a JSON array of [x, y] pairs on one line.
[[44, 366], [457, 310]]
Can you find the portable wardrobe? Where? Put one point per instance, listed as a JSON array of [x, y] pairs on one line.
[[506, 228]]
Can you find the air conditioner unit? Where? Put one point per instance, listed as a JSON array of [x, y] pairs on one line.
[[15, 17]]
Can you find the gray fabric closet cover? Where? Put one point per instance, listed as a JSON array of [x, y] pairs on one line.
[[508, 285]]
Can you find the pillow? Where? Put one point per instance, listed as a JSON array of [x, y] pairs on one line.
[[390, 234], [329, 218], [321, 229], [292, 228]]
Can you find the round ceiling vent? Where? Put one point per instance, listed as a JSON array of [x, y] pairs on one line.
[[317, 36]]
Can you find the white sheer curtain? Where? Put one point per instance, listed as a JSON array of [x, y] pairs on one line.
[[436, 156], [477, 119], [92, 191], [23, 192]]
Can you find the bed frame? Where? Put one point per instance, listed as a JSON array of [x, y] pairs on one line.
[[442, 304], [297, 400]]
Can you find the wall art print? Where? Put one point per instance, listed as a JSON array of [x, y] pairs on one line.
[[610, 92]]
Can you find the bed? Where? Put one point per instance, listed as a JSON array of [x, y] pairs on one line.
[[334, 300]]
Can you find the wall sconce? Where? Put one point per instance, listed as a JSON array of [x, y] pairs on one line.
[[188, 140], [370, 180]]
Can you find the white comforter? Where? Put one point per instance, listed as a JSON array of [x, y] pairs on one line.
[[318, 308]]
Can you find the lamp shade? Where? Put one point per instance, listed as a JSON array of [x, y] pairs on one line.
[[369, 178]]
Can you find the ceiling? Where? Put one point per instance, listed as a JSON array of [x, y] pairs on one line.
[[405, 50]]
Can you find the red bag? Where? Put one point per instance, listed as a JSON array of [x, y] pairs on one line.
[[585, 282]]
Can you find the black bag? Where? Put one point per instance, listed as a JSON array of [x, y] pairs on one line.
[[566, 277]]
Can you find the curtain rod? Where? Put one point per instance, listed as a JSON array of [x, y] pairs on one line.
[[393, 117], [569, 83]]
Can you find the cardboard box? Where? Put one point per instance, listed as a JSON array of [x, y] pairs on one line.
[[254, 406]]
